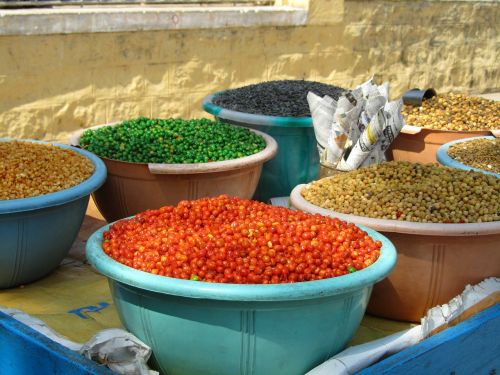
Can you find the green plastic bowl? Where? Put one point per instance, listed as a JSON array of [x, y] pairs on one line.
[[36, 233], [297, 161], [204, 328]]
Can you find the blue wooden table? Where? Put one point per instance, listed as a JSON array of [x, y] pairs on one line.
[[469, 348], [24, 351], [472, 347]]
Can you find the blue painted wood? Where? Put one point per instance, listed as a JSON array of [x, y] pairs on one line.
[[24, 351], [471, 347]]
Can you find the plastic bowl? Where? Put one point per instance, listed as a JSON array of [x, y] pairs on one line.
[[419, 145], [297, 160], [36, 233], [135, 187], [435, 261], [445, 159], [216, 329]]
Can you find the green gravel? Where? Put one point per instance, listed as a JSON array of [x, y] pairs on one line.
[[145, 140]]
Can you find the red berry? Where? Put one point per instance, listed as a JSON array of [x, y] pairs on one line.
[[230, 240]]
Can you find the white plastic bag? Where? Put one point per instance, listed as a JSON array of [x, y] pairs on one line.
[[121, 351]]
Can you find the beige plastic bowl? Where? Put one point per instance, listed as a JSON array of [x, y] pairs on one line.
[[135, 187], [435, 261], [419, 145]]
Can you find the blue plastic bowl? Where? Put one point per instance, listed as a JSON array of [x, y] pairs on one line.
[[207, 328], [37, 233], [297, 161], [445, 159]]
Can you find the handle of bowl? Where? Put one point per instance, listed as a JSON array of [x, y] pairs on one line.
[[177, 168], [158, 169], [194, 168], [410, 129]]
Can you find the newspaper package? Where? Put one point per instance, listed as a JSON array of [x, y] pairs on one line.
[[322, 110], [356, 130], [380, 131], [330, 136], [347, 114]]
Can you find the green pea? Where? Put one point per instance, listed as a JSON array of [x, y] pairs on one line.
[[172, 140]]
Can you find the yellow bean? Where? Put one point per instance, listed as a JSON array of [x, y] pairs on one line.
[[440, 194], [479, 153], [30, 169], [454, 112]]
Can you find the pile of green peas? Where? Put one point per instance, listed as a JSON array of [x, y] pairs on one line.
[[145, 140]]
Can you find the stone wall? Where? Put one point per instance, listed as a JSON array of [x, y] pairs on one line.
[[51, 85]]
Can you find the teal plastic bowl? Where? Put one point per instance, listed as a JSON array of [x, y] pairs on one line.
[[215, 329], [297, 160], [445, 159], [37, 233]]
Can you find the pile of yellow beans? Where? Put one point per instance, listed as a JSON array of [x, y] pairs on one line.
[[30, 169], [481, 153], [412, 192], [457, 112]]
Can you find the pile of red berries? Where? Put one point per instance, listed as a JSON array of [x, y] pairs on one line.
[[230, 240]]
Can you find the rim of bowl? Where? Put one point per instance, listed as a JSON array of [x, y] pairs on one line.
[[196, 168], [397, 226], [479, 132], [445, 159], [60, 197], [242, 292], [251, 118]]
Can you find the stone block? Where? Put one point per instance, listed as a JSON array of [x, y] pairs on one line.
[[129, 81], [325, 12], [27, 122], [156, 79], [292, 66], [173, 105], [200, 75], [126, 109]]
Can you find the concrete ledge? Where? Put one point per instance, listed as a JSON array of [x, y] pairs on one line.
[[109, 19], [491, 96]]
